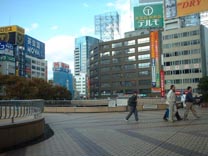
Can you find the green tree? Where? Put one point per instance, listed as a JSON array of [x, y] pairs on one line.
[[203, 87], [13, 87]]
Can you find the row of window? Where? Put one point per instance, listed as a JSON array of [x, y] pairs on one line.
[[185, 71], [38, 63], [128, 43], [38, 68], [126, 51], [180, 81], [128, 66], [126, 59], [126, 83], [187, 61], [125, 76], [180, 35], [178, 44], [180, 53]]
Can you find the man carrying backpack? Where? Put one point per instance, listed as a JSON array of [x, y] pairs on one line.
[[132, 103]]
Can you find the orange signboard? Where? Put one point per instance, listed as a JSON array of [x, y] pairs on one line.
[[178, 8], [186, 7]]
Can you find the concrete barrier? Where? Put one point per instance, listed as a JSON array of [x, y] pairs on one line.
[[83, 109], [22, 132], [102, 109]]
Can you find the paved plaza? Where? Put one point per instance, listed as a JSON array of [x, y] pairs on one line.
[[108, 134]]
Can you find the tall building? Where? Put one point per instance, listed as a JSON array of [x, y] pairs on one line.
[[13, 35], [185, 56], [20, 54], [184, 45], [125, 65], [81, 61], [62, 76], [35, 63]]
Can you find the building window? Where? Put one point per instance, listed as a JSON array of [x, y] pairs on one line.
[[144, 48], [105, 62], [106, 46], [127, 43], [143, 40], [144, 73], [131, 58], [144, 65], [130, 51], [116, 45], [130, 66], [115, 53], [144, 57], [115, 60], [105, 54]]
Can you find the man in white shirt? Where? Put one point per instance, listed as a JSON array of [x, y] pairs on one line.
[[171, 99]]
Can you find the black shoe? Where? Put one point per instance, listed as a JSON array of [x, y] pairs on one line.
[[180, 119], [165, 119]]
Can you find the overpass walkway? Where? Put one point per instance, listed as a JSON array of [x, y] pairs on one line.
[[108, 134]]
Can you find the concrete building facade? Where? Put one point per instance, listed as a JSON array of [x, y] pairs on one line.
[[121, 66], [185, 56]]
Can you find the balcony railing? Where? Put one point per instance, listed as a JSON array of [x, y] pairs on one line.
[[11, 109]]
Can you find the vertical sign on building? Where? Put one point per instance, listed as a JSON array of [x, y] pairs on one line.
[[152, 47], [162, 83], [155, 64]]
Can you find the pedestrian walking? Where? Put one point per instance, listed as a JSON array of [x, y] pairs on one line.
[[171, 100], [189, 104], [132, 103], [174, 109], [183, 98]]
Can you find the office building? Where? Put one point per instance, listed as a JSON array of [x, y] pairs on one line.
[[81, 61], [125, 65], [21, 54], [62, 76], [185, 56]]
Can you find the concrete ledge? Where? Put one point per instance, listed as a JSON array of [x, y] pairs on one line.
[[83, 109], [17, 133], [102, 109]]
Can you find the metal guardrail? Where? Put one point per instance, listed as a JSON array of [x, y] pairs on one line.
[[11, 109]]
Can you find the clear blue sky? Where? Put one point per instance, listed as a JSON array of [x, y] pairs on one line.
[[58, 22]]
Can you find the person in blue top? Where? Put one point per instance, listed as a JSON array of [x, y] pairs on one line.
[[189, 104]]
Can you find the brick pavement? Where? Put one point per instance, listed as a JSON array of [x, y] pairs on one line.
[[108, 134]]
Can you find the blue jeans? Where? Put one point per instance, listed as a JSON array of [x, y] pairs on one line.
[[132, 109], [166, 115]]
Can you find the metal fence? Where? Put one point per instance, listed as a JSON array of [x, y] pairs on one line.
[[10, 109]]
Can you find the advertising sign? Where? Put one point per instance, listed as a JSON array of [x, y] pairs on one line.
[[13, 38], [178, 8], [6, 48], [148, 16], [7, 58], [155, 64], [34, 47], [60, 66], [162, 83], [12, 28], [12, 34]]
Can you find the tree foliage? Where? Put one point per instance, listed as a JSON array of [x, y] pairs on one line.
[[203, 87], [13, 87]]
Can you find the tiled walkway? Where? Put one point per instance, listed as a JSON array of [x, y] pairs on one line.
[[108, 134]]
